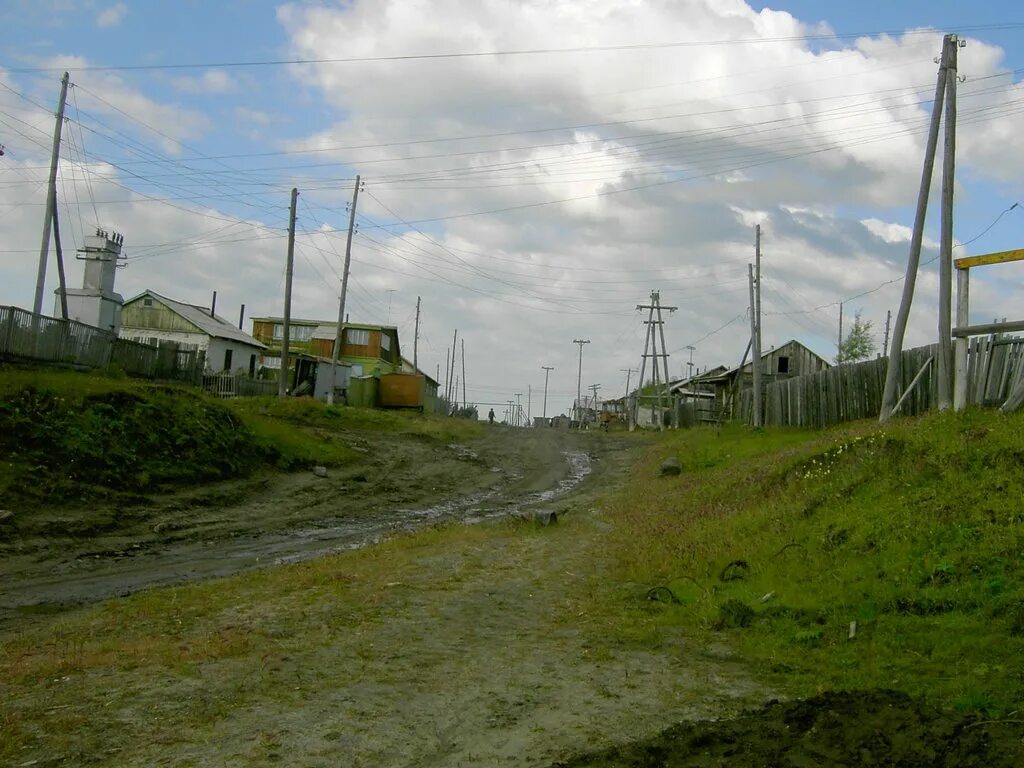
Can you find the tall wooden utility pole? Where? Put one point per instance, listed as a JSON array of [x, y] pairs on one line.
[[628, 372], [60, 264], [453, 393], [755, 342], [529, 405], [579, 377], [282, 380], [893, 373], [463, 372], [945, 356], [51, 198], [416, 339], [885, 344], [664, 351], [547, 370], [839, 344], [757, 288], [447, 384], [339, 332], [593, 388]]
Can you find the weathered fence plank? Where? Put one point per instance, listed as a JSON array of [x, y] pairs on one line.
[[854, 391]]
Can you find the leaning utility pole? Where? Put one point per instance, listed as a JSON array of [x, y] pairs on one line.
[[453, 393], [60, 265], [416, 339], [628, 372], [339, 332], [447, 385], [756, 344], [893, 374], [282, 380], [51, 198], [547, 369], [944, 370], [579, 376]]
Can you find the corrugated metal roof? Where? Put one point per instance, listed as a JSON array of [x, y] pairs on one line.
[[214, 326]]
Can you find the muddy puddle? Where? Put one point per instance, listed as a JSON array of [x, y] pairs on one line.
[[51, 582]]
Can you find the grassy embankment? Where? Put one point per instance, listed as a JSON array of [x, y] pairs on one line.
[[914, 531], [778, 540], [66, 438]]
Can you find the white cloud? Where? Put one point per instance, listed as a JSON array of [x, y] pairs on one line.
[[665, 158], [112, 16], [110, 95]]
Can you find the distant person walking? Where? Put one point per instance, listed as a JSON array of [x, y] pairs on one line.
[[490, 416]]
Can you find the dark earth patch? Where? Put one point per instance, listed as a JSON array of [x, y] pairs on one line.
[[865, 728]]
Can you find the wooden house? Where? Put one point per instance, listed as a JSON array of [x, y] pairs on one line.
[[155, 319], [368, 350], [783, 362]]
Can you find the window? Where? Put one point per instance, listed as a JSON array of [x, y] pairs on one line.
[[385, 341], [252, 366], [227, 359], [783, 364], [357, 337], [147, 302], [295, 332]]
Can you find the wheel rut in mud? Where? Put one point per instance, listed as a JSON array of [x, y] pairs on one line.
[[271, 520]]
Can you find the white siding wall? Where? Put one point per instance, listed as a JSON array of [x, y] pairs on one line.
[[240, 353]]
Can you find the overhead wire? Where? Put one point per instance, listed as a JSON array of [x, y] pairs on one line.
[[726, 42]]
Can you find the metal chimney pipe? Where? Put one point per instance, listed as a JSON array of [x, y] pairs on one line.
[[213, 305], [241, 317]]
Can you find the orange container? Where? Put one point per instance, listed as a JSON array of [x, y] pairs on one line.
[[401, 390]]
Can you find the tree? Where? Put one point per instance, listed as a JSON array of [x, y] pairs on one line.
[[859, 344]]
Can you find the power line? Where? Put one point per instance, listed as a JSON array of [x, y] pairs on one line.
[[523, 52]]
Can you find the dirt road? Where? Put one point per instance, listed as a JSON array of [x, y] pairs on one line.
[[480, 649], [76, 556]]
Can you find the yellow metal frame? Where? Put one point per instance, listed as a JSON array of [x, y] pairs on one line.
[[1000, 257]]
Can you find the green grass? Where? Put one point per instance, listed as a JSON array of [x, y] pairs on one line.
[[914, 531], [181, 659], [66, 437]]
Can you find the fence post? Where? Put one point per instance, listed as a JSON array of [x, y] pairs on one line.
[[960, 343], [10, 330]]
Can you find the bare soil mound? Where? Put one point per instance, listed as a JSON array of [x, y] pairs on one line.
[[862, 728]]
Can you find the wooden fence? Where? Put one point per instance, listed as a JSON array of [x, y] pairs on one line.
[[854, 391], [232, 385], [25, 335]]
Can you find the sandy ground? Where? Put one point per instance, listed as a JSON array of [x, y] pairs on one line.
[[482, 655]]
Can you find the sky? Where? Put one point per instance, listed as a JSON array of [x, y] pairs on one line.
[[531, 170]]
